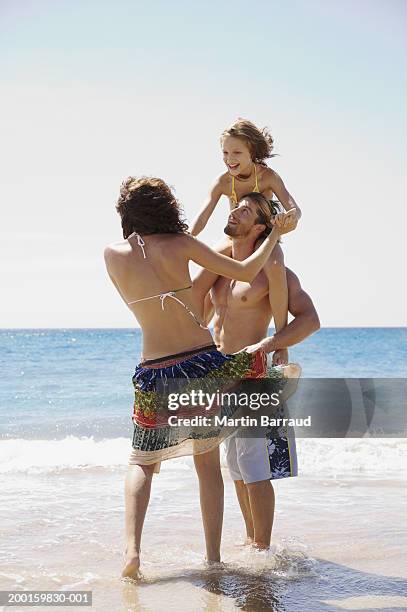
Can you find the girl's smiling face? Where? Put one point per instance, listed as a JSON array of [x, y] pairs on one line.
[[237, 156]]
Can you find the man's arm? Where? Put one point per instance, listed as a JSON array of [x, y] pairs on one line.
[[305, 322]]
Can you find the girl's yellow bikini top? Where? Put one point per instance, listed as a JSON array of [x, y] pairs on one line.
[[233, 195]]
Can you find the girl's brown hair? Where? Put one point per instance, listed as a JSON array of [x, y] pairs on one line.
[[259, 141], [147, 206]]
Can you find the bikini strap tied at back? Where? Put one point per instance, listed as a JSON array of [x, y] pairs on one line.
[[141, 244], [171, 294], [163, 296]]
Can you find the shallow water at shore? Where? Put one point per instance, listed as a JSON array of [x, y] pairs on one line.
[[339, 539], [335, 540]]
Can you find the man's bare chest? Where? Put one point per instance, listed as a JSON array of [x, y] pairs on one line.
[[239, 294]]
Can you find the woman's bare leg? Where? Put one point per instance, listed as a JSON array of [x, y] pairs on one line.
[[137, 496], [211, 495]]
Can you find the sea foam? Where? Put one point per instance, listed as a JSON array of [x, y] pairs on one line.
[[318, 458]]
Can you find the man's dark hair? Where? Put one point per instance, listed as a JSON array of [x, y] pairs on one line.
[[266, 210]]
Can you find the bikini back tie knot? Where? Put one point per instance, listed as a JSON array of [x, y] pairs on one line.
[[166, 294], [140, 242], [171, 294]]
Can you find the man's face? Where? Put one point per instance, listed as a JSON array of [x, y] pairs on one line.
[[242, 219]]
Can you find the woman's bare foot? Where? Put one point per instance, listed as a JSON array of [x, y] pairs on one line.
[[132, 565], [214, 565]]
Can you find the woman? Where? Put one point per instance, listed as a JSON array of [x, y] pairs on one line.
[[150, 271]]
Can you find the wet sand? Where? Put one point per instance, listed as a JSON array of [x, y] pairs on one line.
[[337, 543]]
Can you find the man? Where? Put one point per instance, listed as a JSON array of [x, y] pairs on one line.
[[242, 317]]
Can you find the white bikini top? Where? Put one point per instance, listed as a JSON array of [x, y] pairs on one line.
[[166, 294]]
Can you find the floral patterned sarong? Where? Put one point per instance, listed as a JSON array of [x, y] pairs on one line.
[[154, 439]]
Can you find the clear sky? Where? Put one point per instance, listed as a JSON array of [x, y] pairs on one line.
[[94, 91]]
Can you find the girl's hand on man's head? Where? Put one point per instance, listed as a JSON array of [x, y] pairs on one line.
[[286, 222]]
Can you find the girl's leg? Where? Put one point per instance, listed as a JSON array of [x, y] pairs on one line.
[[211, 495], [137, 496]]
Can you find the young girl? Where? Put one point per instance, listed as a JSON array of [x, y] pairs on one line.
[[245, 148]]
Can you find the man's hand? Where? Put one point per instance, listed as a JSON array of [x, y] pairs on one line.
[[267, 345], [280, 357], [286, 222], [252, 348]]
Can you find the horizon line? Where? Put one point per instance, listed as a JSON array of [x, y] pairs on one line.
[[139, 328]]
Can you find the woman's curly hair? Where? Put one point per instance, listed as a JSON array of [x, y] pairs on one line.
[[259, 141], [147, 206]]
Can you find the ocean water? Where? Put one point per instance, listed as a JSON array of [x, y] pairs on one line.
[[66, 397], [78, 382]]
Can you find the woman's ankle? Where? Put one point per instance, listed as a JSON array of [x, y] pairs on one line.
[[132, 551]]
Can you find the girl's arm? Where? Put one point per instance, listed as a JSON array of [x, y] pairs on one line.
[[200, 221], [286, 199], [245, 270]]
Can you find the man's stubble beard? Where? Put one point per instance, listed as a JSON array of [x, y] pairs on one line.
[[233, 232]]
